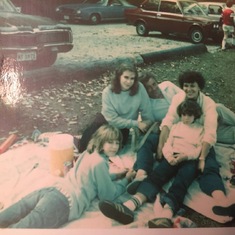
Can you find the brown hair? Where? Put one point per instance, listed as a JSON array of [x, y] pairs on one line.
[[229, 3], [115, 82]]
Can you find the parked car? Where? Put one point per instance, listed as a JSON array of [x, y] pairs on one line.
[[44, 8], [32, 40], [94, 11], [174, 16]]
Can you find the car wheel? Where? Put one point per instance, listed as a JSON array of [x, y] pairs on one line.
[[141, 29], [94, 19], [196, 35]]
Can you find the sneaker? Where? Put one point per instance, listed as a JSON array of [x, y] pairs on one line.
[[116, 211], [133, 186], [160, 223], [225, 211]]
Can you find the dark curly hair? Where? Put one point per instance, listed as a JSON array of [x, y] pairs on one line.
[[191, 108], [115, 82], [191, 77]]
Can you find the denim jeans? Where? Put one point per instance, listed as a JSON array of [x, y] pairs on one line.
[[184, 174], [45, 208], [210, 180], [226, 125], [145, 155]]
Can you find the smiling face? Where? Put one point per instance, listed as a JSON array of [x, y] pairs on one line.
[[127, 80], [110, 148], [191, 90]]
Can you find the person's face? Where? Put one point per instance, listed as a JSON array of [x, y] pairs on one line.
[[127, 80], [187, 119], [191, 90], [110, 148], [151, 87]]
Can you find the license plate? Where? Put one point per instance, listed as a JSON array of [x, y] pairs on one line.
[[26, 56], [66, 17]]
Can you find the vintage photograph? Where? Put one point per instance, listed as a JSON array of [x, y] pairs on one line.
[[117, 114]]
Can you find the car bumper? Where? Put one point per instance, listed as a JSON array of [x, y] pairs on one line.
[[69, 17], [29, 44], [32, 53]]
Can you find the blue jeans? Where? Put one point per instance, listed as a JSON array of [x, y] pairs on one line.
[[210, 180], [226, 125], [145, 155], [45, 208], [184, 174]]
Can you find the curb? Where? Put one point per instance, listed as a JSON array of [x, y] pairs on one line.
[[149, 57], [175, 52], [84, 71]]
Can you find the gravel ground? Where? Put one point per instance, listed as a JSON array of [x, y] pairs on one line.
[[109, 41]]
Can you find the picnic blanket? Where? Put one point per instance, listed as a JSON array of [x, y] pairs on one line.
[[25, 168]]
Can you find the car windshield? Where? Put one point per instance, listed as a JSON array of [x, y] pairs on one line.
[[7, 6], [191, 8]]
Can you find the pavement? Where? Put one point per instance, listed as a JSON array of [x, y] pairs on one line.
[[89, 69]]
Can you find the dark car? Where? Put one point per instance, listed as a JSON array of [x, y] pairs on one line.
[[174, 16], [94, 11], [44, 8], [31, 40]]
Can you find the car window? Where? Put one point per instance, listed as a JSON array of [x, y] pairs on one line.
[[214, 10], [170, 7], [151, 5], [204, 7], [7, 6], [191, 8], [115, 2]]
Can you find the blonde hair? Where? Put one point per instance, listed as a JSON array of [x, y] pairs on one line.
[[105, 133]]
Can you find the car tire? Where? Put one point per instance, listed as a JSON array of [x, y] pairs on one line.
[[196, 35], [94, 19], [141, 29]]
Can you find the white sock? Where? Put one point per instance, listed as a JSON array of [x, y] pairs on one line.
[[133, 203]]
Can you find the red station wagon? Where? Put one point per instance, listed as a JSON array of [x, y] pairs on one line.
[[174, 16]]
